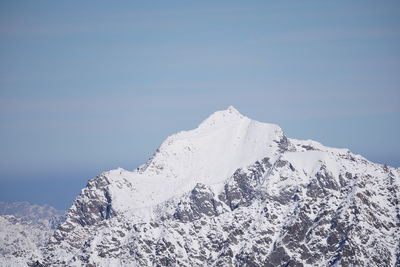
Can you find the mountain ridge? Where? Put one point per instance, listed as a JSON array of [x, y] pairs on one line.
[[235, 192]]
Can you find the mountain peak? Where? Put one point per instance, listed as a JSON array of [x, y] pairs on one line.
[[232, 109], [222, 117], [209, 154]]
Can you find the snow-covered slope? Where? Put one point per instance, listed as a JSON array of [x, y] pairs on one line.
[[209, 154], [24, 229], [20, 240], [235, 192]]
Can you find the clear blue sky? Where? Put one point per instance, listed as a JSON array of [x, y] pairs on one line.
[[87, 86]]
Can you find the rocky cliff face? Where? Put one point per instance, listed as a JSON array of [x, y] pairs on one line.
[[235, 192]]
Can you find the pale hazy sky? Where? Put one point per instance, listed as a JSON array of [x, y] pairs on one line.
[[87, 86]]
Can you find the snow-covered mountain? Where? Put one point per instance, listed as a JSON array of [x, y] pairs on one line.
[[44, 215], [24, 229], [235, 192]]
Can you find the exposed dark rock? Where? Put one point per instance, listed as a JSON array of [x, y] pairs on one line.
[[201, 202], [243, 187]]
